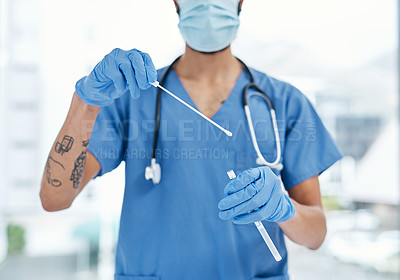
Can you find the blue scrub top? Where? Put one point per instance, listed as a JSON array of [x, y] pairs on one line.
[[172, 230]]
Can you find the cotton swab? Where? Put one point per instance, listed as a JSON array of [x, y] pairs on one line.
[[157, 84]]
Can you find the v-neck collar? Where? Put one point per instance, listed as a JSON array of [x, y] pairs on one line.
[[189, 99]]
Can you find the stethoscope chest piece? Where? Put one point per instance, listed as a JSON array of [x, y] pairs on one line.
[[153, 172]]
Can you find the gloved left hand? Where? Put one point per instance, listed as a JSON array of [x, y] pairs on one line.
[[256, 195]]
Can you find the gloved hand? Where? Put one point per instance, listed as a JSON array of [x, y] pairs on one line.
[[118, 72], [256, 195]]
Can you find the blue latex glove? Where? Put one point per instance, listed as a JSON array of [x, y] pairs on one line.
[[256, 195], [118, 72]]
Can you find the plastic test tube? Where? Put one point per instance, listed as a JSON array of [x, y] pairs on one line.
[[261, 229]]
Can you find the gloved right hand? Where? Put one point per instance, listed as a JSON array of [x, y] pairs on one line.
[[256, 195], [118, 72]]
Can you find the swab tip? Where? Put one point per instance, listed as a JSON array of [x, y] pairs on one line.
[[227, 132]]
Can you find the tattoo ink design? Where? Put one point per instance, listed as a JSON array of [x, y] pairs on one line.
[[55, 164], [65, 145], [79, 167], [85, 143]]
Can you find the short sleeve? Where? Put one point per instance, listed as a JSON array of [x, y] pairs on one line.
[[309, 148], [106, 142]]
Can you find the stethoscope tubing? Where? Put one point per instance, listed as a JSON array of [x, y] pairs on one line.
[[245, 97]]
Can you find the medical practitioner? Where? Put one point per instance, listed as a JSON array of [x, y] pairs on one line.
[[188, 220]]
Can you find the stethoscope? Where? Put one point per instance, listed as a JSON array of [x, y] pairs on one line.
[[153, 172]]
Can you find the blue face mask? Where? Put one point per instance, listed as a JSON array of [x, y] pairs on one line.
[[208, 25]]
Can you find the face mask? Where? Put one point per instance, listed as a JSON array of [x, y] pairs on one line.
[[208, 25]]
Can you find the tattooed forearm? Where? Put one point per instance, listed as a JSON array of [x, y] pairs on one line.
[[79, 167], [65, 145], [51, 162]]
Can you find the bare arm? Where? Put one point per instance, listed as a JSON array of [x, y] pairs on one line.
[[308, 226], [70, 166]]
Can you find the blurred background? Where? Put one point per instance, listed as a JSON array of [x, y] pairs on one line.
[[342, 54]]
